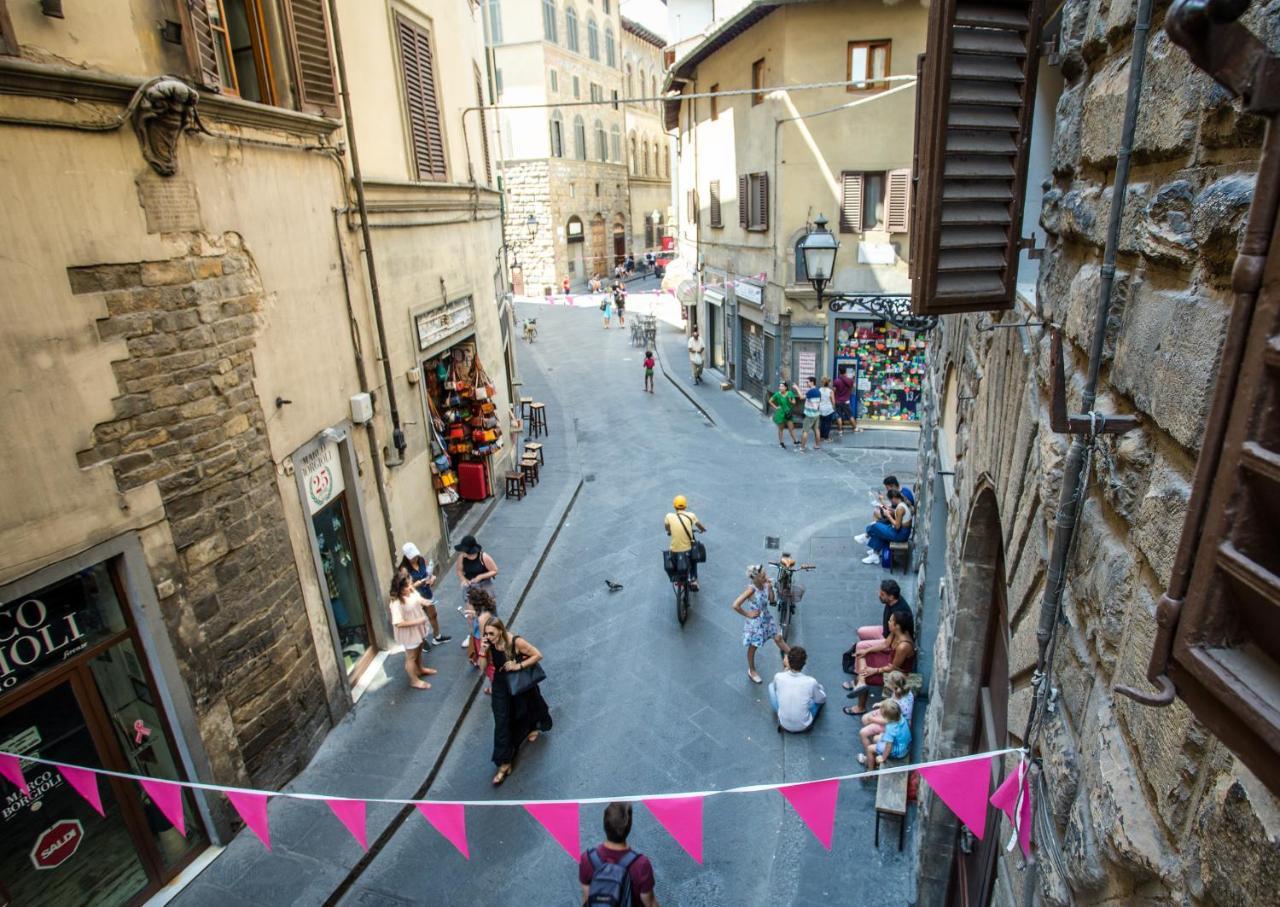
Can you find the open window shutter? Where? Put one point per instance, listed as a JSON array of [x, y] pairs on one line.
[[420, 96], [484, 129], [762, 202], [714, 190], [897, 205], [851, 203], [198, 38], [312, 61], [976, 102], [744, 202]]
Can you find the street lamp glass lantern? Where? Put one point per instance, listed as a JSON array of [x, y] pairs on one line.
[[819, 248]]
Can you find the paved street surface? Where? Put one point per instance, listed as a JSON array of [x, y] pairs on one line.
[[640, 704]]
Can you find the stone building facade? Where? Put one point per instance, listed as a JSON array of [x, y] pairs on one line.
[[1140, 805], [648, 146]]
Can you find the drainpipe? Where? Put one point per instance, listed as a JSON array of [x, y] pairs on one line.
[[1073, 471], [397, 433]]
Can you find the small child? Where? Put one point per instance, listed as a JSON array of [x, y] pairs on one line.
[[895, 743], [648, 371]]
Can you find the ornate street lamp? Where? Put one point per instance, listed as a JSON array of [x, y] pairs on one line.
[[819, 247]]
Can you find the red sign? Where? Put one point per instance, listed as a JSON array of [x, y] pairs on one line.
[[57, 844]]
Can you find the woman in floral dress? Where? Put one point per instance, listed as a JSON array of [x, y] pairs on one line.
[[753, 604]]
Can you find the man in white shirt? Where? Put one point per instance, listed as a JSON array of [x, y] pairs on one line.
[[696, 349], [796, 697]]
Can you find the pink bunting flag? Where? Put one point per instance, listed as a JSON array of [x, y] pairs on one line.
[[682, 818], [351, 814], [11, 768], [252, 807], [85, 783], [816, 804], [1014, 797], [561, 819], [168, 799], [963, 786], [450, 819]]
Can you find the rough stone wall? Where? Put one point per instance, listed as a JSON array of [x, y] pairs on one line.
[[1146, 805], [528, 191], [188, 419]]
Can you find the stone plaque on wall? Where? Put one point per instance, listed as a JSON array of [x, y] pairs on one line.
[[170, 204]]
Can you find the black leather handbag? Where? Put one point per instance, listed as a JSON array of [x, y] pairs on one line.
[[522, 681], [697, 550]]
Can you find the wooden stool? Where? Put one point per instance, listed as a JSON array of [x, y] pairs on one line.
[[534, 449], [525, 403], [538, 420], [529, 468], [515, 485]]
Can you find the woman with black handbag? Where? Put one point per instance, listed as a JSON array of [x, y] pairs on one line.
[[520, 713]]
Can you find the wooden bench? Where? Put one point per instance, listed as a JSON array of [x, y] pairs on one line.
[[900, 556], [891, 799]]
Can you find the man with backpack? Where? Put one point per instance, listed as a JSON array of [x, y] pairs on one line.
[[613, 874]]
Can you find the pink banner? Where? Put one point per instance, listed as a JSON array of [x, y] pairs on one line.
[[85, 783], [11, 768], [963, 786], [253, 809], [1006, 799], [561, 819], [168, 799], [816, 804], [682, 818], [450, 819], [351, 814]]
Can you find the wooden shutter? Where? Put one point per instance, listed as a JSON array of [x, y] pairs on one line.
[[715, 204], [312, 61], [851, 202], [897, 204], [976, 102], [420, 95], [198, 38], [484, 129], [762, 201], [744, 202]]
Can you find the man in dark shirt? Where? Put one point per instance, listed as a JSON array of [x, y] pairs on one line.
[[875, 638], [617, 825], [842, 397]]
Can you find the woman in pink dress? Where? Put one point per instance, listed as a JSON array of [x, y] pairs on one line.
[[409, 619]]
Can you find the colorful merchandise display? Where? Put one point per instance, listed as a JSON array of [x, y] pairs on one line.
[[464, 423], [888, 365]]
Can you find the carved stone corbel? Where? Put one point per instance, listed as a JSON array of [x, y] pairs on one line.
[[166, 109]]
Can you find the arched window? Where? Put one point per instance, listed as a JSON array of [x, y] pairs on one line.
[[631, 88], [801, 275], [648, 232], [495, 21], [593, 39], [549, 20], [610, 50], [653, 90], [579, 139], [632, 163], [607, 7], [615, 144], [571, 28], [602, 143], [644, 156], [557, 134], [666, 158]]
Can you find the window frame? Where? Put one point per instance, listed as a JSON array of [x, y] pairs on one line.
[[550, 25], [715, 214], [555, 80], [423, 171], [757, 81], [579, 138], [615, 143], [715, 102], [868, 85], [602, 141], [557, 134], [593, 39], [610, 46], [571, 28], [493, 14], [577, 89], [753, 202]]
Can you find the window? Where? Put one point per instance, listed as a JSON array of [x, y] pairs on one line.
[[577, 89], [497, 83], [607, 6], [615, 144], [753, 201], [610, 48], [549, 20], [228, 45], [868, 65], [875, 201], [494, 10], [555, 82], [593, 39], [631, 163], [713, 190], [802, 275], [631, 88], [597, 190], [597, 93], [653, 90], [484, 127], [897, 214], [644, 156], [715, 102], [757, 82], [614, 95], [557, 134], [571, 28], [602, 143], [693, 206], [417, 68], [579, 138], [666, 157]]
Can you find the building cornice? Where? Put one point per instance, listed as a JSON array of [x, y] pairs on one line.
[[403, 197], [635, 28]]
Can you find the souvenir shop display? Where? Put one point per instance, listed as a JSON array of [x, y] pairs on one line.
[[464, 425], [888, 363]]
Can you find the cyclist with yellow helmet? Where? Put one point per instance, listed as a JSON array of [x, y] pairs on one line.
[[680, 525]]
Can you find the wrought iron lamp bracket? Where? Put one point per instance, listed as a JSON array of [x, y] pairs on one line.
[[894, 309]]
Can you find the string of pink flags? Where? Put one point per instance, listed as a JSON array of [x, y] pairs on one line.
[[962, 783]]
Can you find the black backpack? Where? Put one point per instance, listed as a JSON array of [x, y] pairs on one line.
[[611, 883]]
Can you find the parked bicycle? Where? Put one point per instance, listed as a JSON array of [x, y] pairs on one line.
[[789, 591]]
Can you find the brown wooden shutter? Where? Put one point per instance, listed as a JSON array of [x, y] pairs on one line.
[[715, 213], [420, 97], [198, 38], [312, 61], [762, 202], [851, 202], [744, 201], [484, 129], [897, 204], [976, 102]]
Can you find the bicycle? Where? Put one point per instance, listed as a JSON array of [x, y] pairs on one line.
[[680, 582], [530, 329], [789, 593]]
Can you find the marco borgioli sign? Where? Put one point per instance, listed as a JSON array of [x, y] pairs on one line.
[[322, 476]]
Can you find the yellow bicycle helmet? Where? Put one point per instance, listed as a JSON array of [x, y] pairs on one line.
[[679, 503]]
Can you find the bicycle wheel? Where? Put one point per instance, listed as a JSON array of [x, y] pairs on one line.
[[785, 611], [682, 602]]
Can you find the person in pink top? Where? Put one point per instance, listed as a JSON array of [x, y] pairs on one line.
[[409, 620], [842, 394]]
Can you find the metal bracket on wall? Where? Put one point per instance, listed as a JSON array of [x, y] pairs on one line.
[[1084, 423]]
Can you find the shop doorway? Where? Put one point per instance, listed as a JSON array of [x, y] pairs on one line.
[[79, 690], [888, 364], [619, 245], [753, 356]]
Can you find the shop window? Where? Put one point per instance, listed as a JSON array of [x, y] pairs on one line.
[[593, 39], [714, 214], [579, 138], [549, 27], [493, 8], [417, 68], [757, 82], [888, 365], [557, 134], [867, 65], [602, 145], [715, 102], [571, 29], [753, 201]]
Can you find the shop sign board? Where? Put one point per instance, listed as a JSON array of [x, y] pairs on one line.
[[322, 476], [749, 291], [34, 633], [439, 323], [807, 363], [57, 844]]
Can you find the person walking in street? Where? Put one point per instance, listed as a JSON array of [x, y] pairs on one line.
[[899, 656], [753, 604], [564, 285], [680, 526], [409, 621], [795, 696], [826, 409], [473, 568], [812, 407], [620, 305], [479, 609], [696, 350], [518, 717], [878, 536], [613, 873], [782, 401], [842, 396], [606, 308], [648, 370], [420, 571]]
